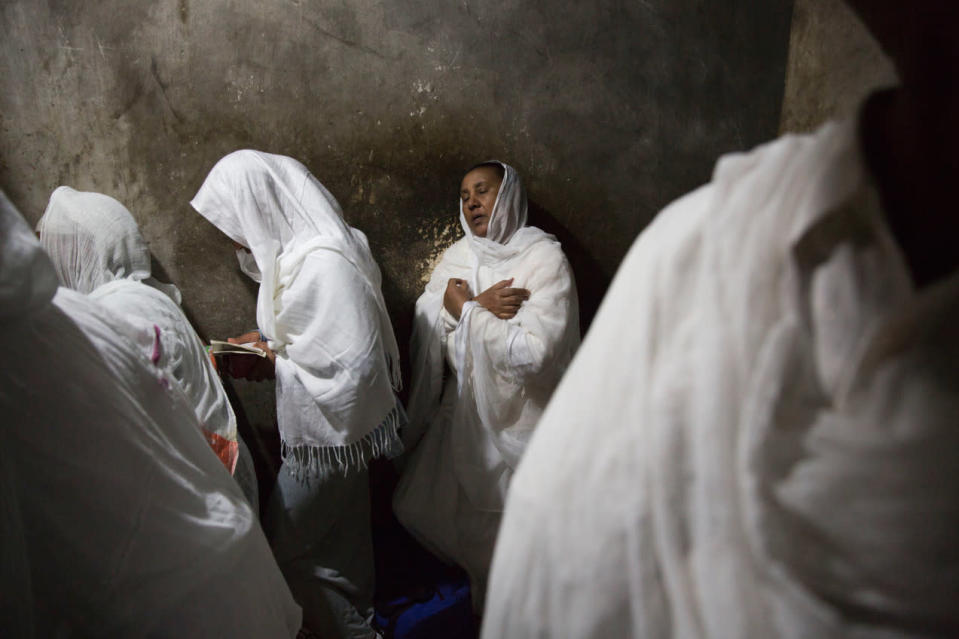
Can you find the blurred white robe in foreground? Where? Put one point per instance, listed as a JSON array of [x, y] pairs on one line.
[[760, 434], [122, 521], [479, 419]]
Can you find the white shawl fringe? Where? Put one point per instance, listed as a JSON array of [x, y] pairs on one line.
[[305, 461]]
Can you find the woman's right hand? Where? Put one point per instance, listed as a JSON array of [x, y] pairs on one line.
[[501, 300], [457, 294]]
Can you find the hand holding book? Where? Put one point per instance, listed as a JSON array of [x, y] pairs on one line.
[[245, 357]]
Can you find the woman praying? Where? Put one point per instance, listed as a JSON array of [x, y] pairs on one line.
[[501, 311], [323, 321]]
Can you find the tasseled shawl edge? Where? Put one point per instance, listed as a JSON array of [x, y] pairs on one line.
[[305, 461]]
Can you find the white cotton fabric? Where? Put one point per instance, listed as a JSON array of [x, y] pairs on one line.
[[320, 306], [758, 437], [128, 524], [178, 350], [94, 240], [472, 429], [97, 249]]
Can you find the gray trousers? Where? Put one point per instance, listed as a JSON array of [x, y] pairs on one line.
[[320, 532], [245, 476]]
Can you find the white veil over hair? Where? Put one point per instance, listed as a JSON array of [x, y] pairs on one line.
[[319, 305], [97, 249], [93, 239], [506, 220]]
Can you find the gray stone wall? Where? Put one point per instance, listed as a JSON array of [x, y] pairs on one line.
[[609, 110]]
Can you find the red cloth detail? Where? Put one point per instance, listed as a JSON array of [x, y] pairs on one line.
[[226, 450]]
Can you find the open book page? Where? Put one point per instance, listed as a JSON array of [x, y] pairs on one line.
[[218, 347]]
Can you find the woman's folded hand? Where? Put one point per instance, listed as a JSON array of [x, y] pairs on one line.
[[501, 300]]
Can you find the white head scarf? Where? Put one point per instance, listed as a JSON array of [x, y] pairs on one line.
[[93, 239], [506, 233], [319, 305], [509, 211], [97, 249]]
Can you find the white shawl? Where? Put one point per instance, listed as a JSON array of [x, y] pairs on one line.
[[319, 305], [505, 372], [759, 435], [124, 522], [544, 332], [94, 241], [178, 350]]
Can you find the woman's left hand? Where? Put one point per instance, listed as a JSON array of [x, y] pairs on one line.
[[501, 300], [457, 294]]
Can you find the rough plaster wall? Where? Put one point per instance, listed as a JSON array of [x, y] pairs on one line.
[[834, 63], [609, 109]]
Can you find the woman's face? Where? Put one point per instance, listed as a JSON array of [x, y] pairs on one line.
[[479, 190]]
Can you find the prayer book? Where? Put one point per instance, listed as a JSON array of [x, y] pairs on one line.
[[218, 347]]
